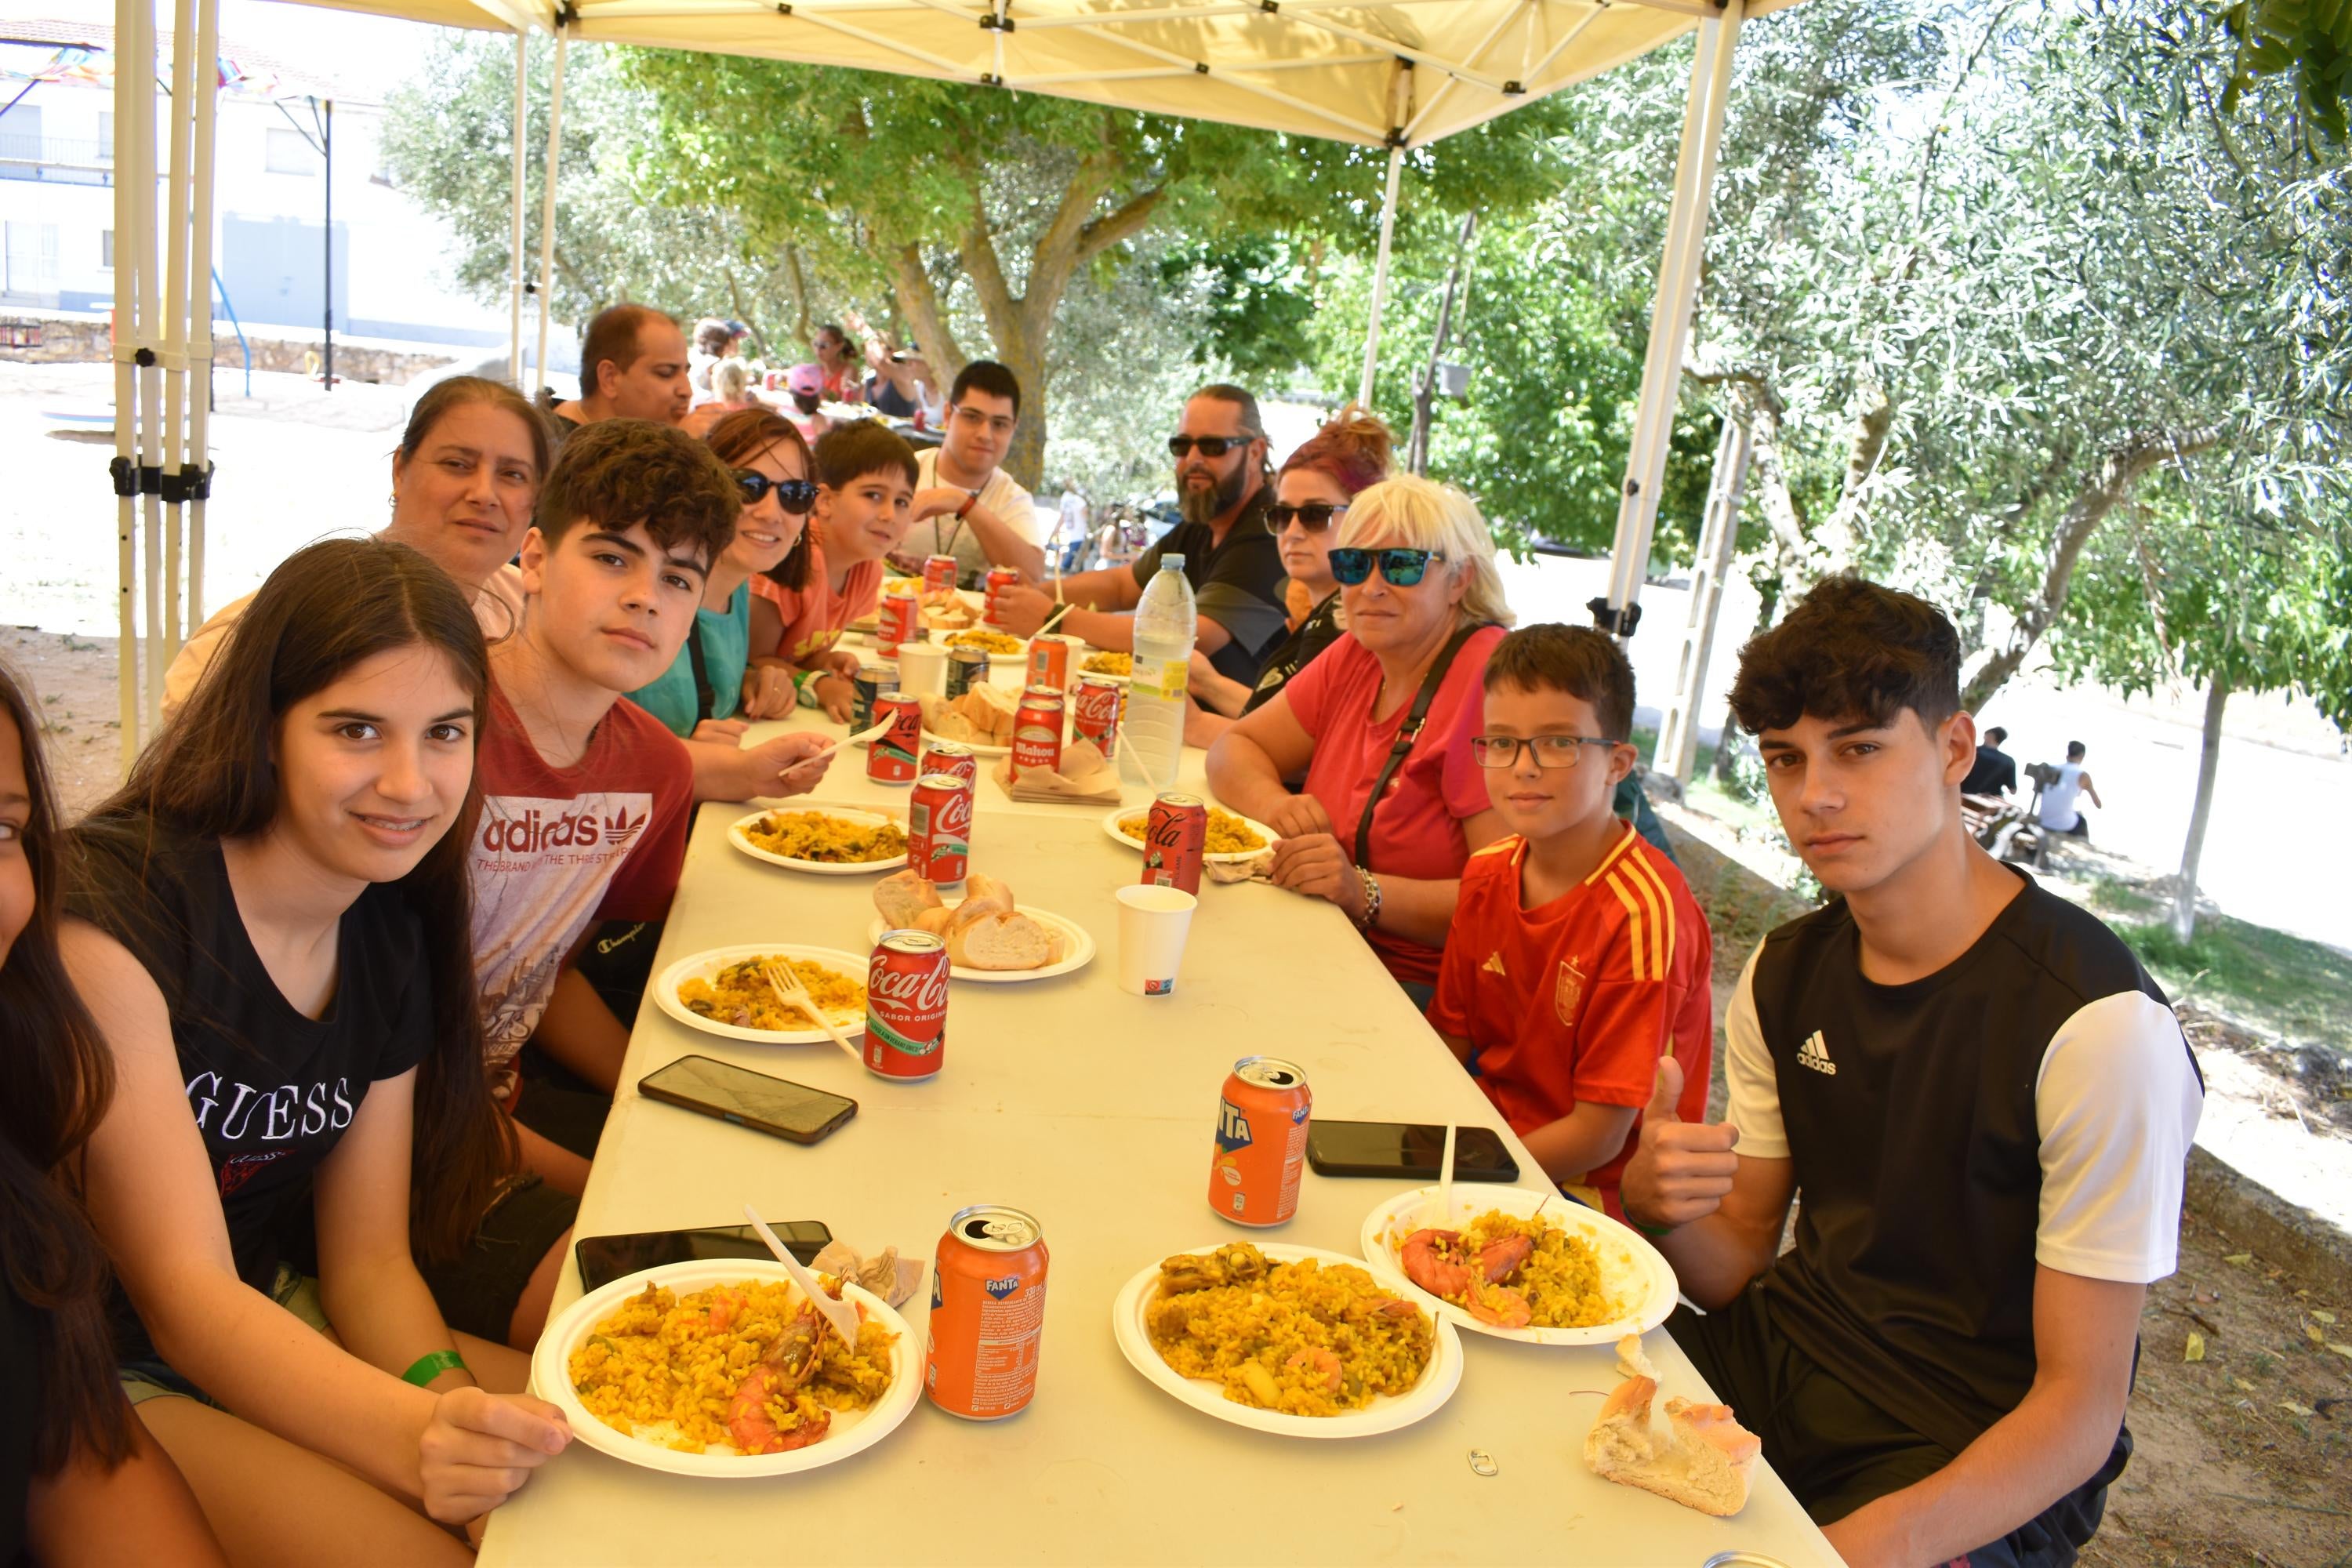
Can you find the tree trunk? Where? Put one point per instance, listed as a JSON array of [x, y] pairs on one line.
[[2118, 469], [1424, 392], [2209, 763], [1839, 544]]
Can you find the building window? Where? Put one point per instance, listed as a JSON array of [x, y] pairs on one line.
[[289, 151], [106, 248]]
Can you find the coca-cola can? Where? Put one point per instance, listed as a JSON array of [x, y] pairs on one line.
[[938, 574], [1094, 711], [999, 579], [892, 759], [1049, 660], [901, 621], [967, 667], [906, 1005], [1173, 839], [938, 827], [872, 679], [1037, 732], [952, 757]]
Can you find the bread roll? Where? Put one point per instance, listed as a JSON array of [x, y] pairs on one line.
[[903, 898], [935, 921], [999, 941], [982, 895], [1705, 1462]]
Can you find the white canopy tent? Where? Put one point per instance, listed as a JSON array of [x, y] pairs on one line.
[[1398, 74]]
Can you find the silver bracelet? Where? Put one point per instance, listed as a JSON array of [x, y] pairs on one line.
[[1372, 900]]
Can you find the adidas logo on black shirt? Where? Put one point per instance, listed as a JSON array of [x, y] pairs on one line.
[[1815, 1054]]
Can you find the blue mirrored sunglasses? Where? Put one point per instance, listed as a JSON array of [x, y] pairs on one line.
[[1402, 567]]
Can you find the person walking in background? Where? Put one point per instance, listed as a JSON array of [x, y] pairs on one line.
[[2059, 812], [1994, 772]]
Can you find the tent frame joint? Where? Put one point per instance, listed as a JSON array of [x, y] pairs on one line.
[[989, 22], [1617, 620], [1515, 89]]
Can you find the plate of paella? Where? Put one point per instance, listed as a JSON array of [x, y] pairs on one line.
[[828, 839], [1536, 1267], [1107, 663], [1288, 1339], [724, 992], [721, 1367], [1002, 649], [1231, 836]]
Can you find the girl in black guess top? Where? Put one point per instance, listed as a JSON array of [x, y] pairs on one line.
[[81, 1480], [274, 941]]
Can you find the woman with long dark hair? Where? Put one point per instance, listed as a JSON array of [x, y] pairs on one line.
[[274, 941], [81, 1480]]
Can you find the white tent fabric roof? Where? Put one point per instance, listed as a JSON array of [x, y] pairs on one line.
[[1373, 73]]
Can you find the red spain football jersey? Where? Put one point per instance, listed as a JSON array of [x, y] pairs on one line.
[[1577, 999]]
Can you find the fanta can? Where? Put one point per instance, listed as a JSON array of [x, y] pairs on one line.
[[988, 1313], [1262, 1117]]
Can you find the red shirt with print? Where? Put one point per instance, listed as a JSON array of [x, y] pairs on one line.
[[815, 617], [1575, 1000], [1417, 828]]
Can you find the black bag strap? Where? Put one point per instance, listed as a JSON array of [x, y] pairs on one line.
[[706, 699], [1407, 733]]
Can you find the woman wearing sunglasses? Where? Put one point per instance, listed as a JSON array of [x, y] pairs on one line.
[[1312, 493], [712, 681], [1384, 836]]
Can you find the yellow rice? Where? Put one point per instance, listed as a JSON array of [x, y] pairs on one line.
[[1228, 834], [986, 640], [656, 1370], [740, 995], [831, 840], [1561, 1279], [1244, 1334], [1107, 662]]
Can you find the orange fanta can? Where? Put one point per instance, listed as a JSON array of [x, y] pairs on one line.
[[988, 1313], [1262, 1119]]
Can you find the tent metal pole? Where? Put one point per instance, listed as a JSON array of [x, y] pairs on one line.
[[546, 202], [514, 242], [1381, 278], [1718, 542], [205, 99], [127, 80], [151, 378], [174, 325], [327, 253], [1645, 463]]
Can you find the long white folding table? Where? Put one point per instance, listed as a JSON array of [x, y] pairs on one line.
[[1093, 1110]]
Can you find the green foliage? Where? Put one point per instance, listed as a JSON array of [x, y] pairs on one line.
[[2310, 41], [2300, 990], [1260, 305]]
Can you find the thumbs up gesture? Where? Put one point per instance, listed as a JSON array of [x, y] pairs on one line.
[[1682, 1169]]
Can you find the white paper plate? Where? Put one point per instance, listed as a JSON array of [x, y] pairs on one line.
[[703, 965], [1385, 1414], [737, 836], [1079, 949], [852, 1432], [1110, 826], [1637, 1273]]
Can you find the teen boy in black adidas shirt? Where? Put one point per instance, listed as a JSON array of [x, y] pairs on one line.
[[1985, 1100]]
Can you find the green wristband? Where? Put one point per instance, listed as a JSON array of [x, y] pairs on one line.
[[1653, 1231], [432, 1364], [808, 678]]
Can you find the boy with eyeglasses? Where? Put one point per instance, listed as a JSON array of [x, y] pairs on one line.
[[1577, 958], [965, 505]]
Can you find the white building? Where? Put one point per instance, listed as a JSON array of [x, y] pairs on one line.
[[57, 196]]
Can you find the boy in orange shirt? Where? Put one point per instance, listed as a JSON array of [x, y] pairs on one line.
[[1577, 957]]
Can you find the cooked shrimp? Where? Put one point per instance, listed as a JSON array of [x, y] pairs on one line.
[[1435, 1261], [1325, 1363]]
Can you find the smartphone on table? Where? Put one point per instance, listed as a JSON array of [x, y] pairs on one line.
[[604, 1258], [1413, 1150], [748, 1099]]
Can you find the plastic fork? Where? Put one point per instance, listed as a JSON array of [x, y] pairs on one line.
[[840, 1314], [793, 994]]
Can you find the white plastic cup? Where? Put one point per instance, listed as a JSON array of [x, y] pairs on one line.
[[923, 669], [1153, 921]]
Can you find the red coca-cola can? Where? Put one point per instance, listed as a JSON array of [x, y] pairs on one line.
[[938, 827], [901, 621], [1262, 1117], [938, 574], [1173, 839], [988, 1313], [952, 757], [907, 1004], [1094, 711], [999, 579], [892, 758], [1049, 660], [1037, 732]]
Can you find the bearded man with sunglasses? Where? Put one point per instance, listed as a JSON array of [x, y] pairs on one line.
[[1231, 562]]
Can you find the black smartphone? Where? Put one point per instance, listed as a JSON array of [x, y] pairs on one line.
[[604, 1258], [1408, 1149], [748, 1099]]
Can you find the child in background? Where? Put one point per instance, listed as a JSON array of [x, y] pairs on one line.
[[1576, 956], [866, 490]]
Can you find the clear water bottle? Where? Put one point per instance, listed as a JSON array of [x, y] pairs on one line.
[[1166, 620]]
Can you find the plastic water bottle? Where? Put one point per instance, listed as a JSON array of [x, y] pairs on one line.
[[1166, 620]]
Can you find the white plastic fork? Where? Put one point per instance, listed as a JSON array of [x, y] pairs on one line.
[[840, 1314]]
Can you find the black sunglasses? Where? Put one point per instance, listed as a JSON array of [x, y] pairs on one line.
[[795, 496], [1402, 567], [1314, 517], [1210, 446]]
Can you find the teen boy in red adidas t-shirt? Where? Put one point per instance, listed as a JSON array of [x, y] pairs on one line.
[[1577, 958]]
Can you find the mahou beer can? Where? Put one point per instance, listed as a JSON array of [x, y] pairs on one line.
[[1173, 839], [938, 827], [892, 758], [1094, 713], [988, 1313], [1049, 660], [999, 579], [967, 667], [953, 757], [1261, 1142], [1037, 732], [872, 679], [900, 621], [907, 1004], [938, 574]]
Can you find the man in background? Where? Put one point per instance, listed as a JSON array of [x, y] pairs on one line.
[[965, 504], [633, 365], [1994, 772]]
